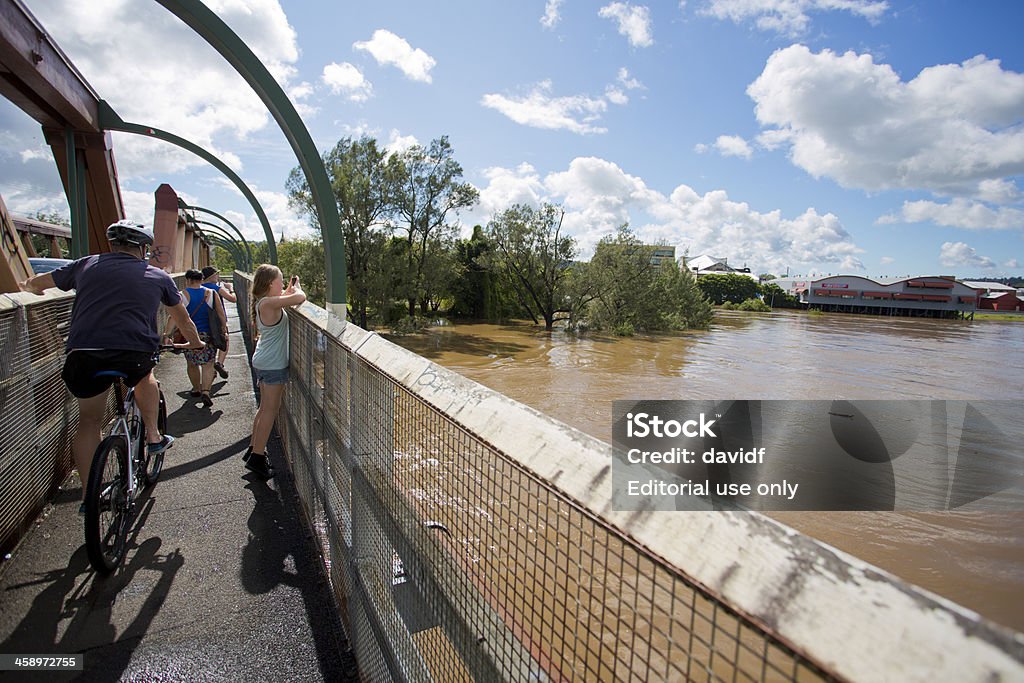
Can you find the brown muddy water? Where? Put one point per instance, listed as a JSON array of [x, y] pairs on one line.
[[973, 558]]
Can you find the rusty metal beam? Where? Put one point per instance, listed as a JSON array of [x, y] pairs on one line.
[[38, 77]]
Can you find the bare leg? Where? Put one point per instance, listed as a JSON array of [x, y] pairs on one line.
[[193, 375], [208, 375], [266, 415], [223, 355], [87, 437], [147, 396]]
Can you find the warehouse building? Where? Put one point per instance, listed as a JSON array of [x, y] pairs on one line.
[[932, 296]]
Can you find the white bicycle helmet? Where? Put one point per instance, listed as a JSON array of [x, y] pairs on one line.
[[128, 232]]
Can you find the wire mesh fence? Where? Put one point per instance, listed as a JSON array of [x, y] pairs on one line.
[[453, 562]]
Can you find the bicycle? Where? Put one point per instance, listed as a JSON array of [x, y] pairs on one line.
[[121, 468]]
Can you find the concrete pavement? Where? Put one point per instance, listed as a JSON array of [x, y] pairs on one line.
[[221, 582]]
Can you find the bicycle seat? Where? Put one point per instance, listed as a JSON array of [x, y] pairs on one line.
[[111, 373]]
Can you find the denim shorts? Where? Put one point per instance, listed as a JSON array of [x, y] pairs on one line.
[[271, 376]]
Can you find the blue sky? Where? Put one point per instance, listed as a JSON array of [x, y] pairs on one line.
[[867, 136]]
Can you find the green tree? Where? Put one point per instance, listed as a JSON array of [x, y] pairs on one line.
[[305, 258], [727, 287], [776, 297], [535, 259], [471, 289], [363, 179], [479, 292], [428, 192], [41, 243], [686, 307], [385, 277], [622, 282], [630, 293], [441, 270]]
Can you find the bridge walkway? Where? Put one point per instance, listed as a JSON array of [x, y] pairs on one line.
[[221, 580]]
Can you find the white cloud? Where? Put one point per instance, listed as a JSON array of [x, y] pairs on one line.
[[959, 254], [998, 191], [733, 146], [398, 143], [599, 196], [627, 81], [387, 48], [42, 153], [959, 213], [847, 118], [539, 109], [634, 22], [615, 92], [789, 16], [209, 103], [615, 96], [140, 206], [551, 16], [347, 80], [505, 187], [886, 260], [1012, 263], [282, 218]]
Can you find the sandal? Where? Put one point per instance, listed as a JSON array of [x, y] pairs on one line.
[[207, 401]]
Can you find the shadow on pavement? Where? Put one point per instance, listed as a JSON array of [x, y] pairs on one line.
[[225, 453], [275, 556], [85, 600]]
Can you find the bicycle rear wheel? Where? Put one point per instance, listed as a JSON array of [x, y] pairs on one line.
[[154, 464], [107, 508]]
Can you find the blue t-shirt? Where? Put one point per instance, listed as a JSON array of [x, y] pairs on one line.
[[118, 296]]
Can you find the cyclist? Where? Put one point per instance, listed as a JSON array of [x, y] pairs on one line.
[[113, 327]]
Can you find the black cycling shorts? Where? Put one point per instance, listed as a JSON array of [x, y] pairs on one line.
[[80, 370]]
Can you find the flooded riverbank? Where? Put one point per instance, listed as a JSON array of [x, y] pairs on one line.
[[975, 559]]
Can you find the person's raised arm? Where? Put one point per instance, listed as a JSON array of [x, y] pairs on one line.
[[227, 294], [38, 283], [179, 316], [292, 296]]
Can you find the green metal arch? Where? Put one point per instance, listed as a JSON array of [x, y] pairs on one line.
[[188, 207], [220, 232], [208, 25], [217, 230], [232, 248], [110, 120], [245, 247], [238, 257]]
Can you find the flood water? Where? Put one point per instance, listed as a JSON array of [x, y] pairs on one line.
[[973, 558]]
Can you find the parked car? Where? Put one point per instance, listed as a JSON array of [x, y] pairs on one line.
[[45, 265]]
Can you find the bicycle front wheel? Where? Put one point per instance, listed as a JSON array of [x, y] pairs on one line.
[[107, 508], [154, 464]]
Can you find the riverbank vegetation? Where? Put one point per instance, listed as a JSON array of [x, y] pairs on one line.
[[999, 316], [406, 263]]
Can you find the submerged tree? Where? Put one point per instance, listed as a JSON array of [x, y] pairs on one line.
[[732, 287], [363, 179], [429, 193], [535, 258], [631, 292]]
